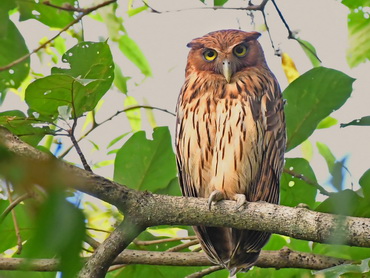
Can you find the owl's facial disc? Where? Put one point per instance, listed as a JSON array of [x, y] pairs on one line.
[[226, 70]]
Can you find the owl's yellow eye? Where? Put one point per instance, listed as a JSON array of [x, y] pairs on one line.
[[210, 55], [240, 50]]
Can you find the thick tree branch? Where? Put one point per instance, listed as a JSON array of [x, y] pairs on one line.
[[97, 265], [284, 258], [151, 209]]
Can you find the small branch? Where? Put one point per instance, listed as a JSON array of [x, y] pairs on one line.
[[15, 221], [259, 7], [98, 264], [86, 12], [284, 258], [13, 204], [164, 240], [205, 272], [291, 35], [71, 133], [96, 125], [183, 246], [307, 180]]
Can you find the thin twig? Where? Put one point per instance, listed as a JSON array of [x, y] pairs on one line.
[[183, 246], [13, 204], [66, 7], [86, 12], [309, 181], [259, 7], [71, 133], [95, 125], [164, 240], [98, 230], [15, 221], [291, 35], [277, 52], [205, 272]]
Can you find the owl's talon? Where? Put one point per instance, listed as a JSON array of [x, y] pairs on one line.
[[215, 197], [240, 200]]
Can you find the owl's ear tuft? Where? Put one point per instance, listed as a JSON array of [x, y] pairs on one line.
[[195, 45], [252, 36]]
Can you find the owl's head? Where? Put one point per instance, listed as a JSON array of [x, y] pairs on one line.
[[225, 53]]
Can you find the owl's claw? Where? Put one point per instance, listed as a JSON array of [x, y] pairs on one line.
[[215, 196], [240, 200]]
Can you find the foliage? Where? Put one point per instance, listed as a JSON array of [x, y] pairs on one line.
[[55, 224]]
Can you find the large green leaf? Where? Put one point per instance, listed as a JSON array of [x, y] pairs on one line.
[[311, 98], [294, 190], [145, 164], [60, 232], [12, 47], [80, 87], [28, 129], [50, 16], [358, 32]]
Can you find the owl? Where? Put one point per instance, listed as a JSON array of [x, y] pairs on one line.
[[230, 137]]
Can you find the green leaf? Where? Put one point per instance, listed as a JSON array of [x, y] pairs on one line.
[[112, 21], [312, 97], [327, 122], [338, 271], [293, 190], [310, 51], [346, 252], [60, 232], [132, 12], [80, 87], [365, 184], [364, 121], [276, 242], [327, 155], [7, 231], [307, 150], [117, 139], [345, 203], [50, 16], [119, 80], [132, 51], [145, 164], [12, 47], [133, 115], [28, 129], [358, 32], [219, 2]]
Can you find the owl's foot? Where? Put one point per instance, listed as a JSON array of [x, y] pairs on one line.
[[240, 200], [215, 196]]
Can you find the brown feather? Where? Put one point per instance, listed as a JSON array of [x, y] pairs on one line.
[[230, 137]]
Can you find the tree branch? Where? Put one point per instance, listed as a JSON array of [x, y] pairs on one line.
[[259, 7], [98, 264], [284, 258], [152, 209], [307, 180]]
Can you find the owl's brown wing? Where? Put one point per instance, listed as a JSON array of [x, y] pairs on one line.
[[269, 116]]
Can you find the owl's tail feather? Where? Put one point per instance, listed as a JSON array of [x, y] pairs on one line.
[[249, 260]]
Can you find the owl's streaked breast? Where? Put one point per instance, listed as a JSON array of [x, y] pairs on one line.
[[221, 149]]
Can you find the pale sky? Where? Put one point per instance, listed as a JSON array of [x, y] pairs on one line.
[[163, 38]]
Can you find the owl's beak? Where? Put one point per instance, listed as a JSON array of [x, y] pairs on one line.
[[226, 70]]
